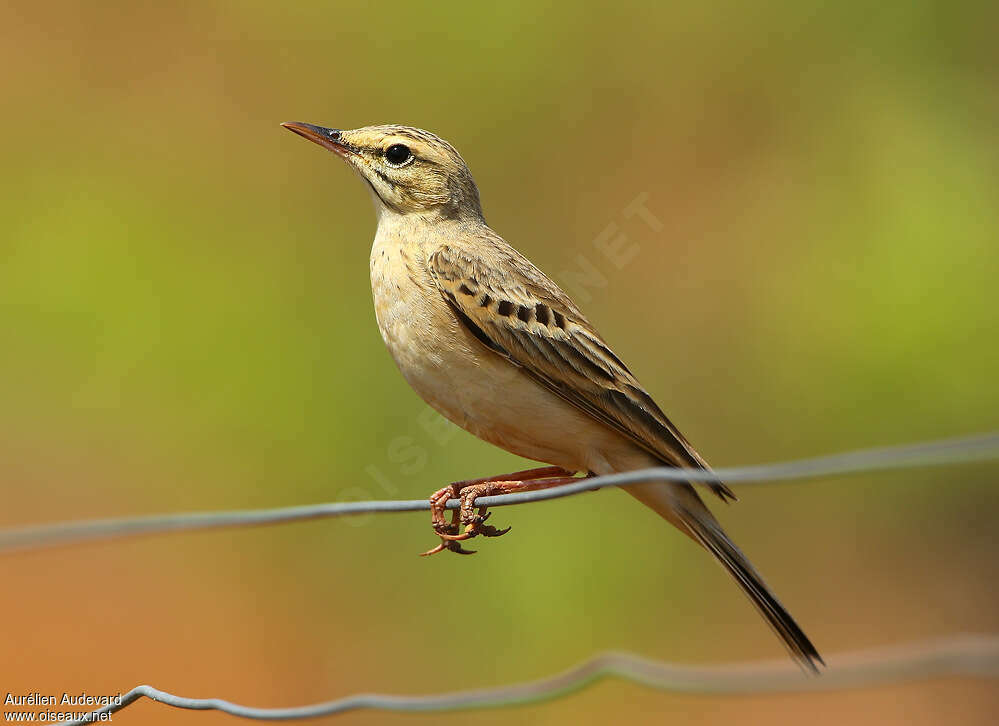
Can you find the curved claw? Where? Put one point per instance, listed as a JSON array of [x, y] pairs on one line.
[[443, 530], [434, 550], [474, 525], [467, 534], [448, 545]]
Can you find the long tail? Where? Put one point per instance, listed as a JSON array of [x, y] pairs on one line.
[[682, 506]]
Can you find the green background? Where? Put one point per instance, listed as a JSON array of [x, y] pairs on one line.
[[186, 324]]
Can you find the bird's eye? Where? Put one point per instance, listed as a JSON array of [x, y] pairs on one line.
[[398, 154]]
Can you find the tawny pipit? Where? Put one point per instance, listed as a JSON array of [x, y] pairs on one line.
[[495, 346]]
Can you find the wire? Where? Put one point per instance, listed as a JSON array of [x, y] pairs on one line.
[[933, 453], [965, 655]]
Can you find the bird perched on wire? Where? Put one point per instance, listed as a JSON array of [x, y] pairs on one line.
[[494, 345]]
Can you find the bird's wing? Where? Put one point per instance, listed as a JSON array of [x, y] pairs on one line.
[[520, 314]]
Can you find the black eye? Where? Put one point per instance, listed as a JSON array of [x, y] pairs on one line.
[[398, 154]]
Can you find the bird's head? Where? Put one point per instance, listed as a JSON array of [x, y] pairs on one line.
[[410, 171]]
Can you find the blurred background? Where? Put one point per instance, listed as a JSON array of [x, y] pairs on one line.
[[186, 324]]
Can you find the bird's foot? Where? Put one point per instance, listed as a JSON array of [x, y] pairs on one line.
[[442, 527], [449, 531], [473, 518]]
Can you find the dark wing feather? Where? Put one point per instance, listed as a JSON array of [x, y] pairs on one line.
[[523, 316]]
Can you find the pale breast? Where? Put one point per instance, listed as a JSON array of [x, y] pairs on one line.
[[467, 383], [420, 330]]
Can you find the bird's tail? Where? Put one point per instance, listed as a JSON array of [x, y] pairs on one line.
[[682, 506]]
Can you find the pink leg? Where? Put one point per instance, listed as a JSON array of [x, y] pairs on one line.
[[470, 489]]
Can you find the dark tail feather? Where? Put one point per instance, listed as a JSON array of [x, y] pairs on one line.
[[709, 534]]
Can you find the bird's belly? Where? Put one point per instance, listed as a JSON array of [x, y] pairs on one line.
[[472, 386]]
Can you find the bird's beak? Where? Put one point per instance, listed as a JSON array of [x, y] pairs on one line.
[[327, 138]]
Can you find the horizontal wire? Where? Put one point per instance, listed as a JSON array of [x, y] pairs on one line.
[[932, 453], [964, 655]]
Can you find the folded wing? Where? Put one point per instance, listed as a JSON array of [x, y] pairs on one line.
[[524, 317]]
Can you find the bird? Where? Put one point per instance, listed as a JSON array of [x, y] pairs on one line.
[[493, 344]]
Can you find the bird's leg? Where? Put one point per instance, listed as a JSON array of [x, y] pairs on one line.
[[473, 520], [469, 490], [438, 518], [449, 528], [439, 499], [438, 502]]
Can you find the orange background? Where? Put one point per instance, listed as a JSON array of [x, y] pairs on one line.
[[185, 324]]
